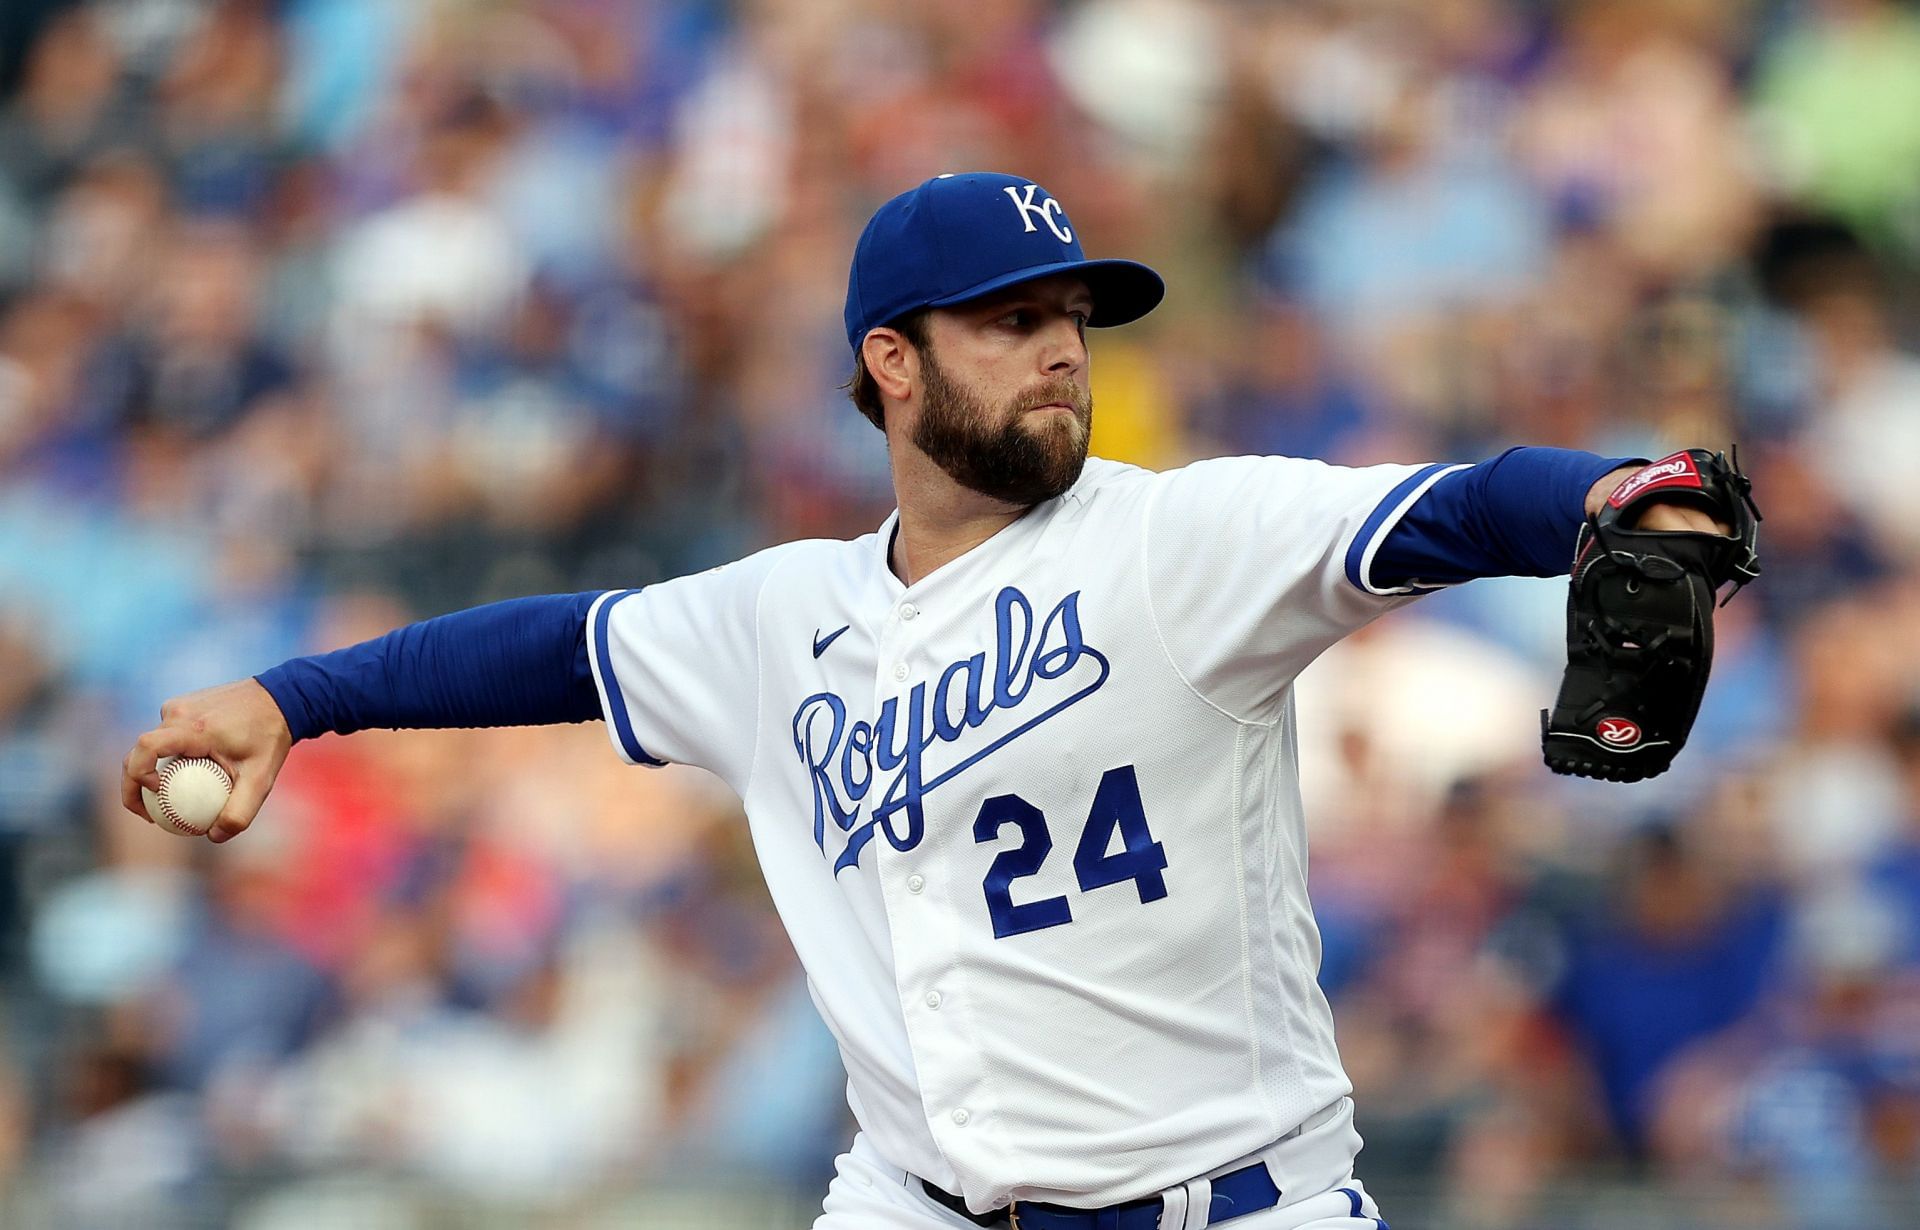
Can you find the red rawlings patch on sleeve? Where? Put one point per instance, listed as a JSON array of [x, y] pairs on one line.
[[1674, 471]]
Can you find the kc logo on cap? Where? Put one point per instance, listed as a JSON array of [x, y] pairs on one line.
[[961, 237], [1048, 211]]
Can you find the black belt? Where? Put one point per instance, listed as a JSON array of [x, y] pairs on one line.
[[1246, 1190]]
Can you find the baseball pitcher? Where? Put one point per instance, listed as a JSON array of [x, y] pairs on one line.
[[1020, 764]]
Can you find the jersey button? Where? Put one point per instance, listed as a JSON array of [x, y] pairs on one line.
[[933, 1000], [961, 1116], [900, 671], [916, 882], [909, 611]]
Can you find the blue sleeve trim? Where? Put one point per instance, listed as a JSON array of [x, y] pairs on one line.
[[1381, 521], [1518, 514], [613, 701]]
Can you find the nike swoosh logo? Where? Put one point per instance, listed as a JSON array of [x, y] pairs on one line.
[[820, 646]]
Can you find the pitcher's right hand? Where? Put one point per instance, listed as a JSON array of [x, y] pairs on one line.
[[237, 724]]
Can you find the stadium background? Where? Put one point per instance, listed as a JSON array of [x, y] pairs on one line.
[[321, 315]]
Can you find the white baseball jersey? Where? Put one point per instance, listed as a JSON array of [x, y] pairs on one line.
[[1032, 822]]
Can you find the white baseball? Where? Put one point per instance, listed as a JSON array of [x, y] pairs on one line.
[[192, 792]]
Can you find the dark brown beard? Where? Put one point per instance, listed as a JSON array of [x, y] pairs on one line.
[[1000, 454]]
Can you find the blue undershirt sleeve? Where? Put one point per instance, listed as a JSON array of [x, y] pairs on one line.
[[522, 662], [1517, 514]]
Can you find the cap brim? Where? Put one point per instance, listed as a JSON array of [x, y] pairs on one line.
[[1123, 291]]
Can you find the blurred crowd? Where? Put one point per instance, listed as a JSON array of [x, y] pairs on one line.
[[318, 316]]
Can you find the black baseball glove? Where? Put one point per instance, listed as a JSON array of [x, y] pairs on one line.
[[1640, 619]]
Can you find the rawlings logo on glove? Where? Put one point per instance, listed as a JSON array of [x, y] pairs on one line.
[[1674, 471], [1640, 619]]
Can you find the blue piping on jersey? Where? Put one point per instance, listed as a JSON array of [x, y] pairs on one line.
[[616, 703], [1391, 508]]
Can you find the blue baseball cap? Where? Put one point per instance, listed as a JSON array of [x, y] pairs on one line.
[[958, 237]]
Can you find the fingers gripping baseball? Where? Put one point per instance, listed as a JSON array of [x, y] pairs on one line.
[[236, 724]]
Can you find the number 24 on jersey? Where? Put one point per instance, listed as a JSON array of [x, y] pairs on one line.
[[1116, 805]]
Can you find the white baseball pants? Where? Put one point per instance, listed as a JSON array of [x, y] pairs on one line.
[[868, 1194]]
